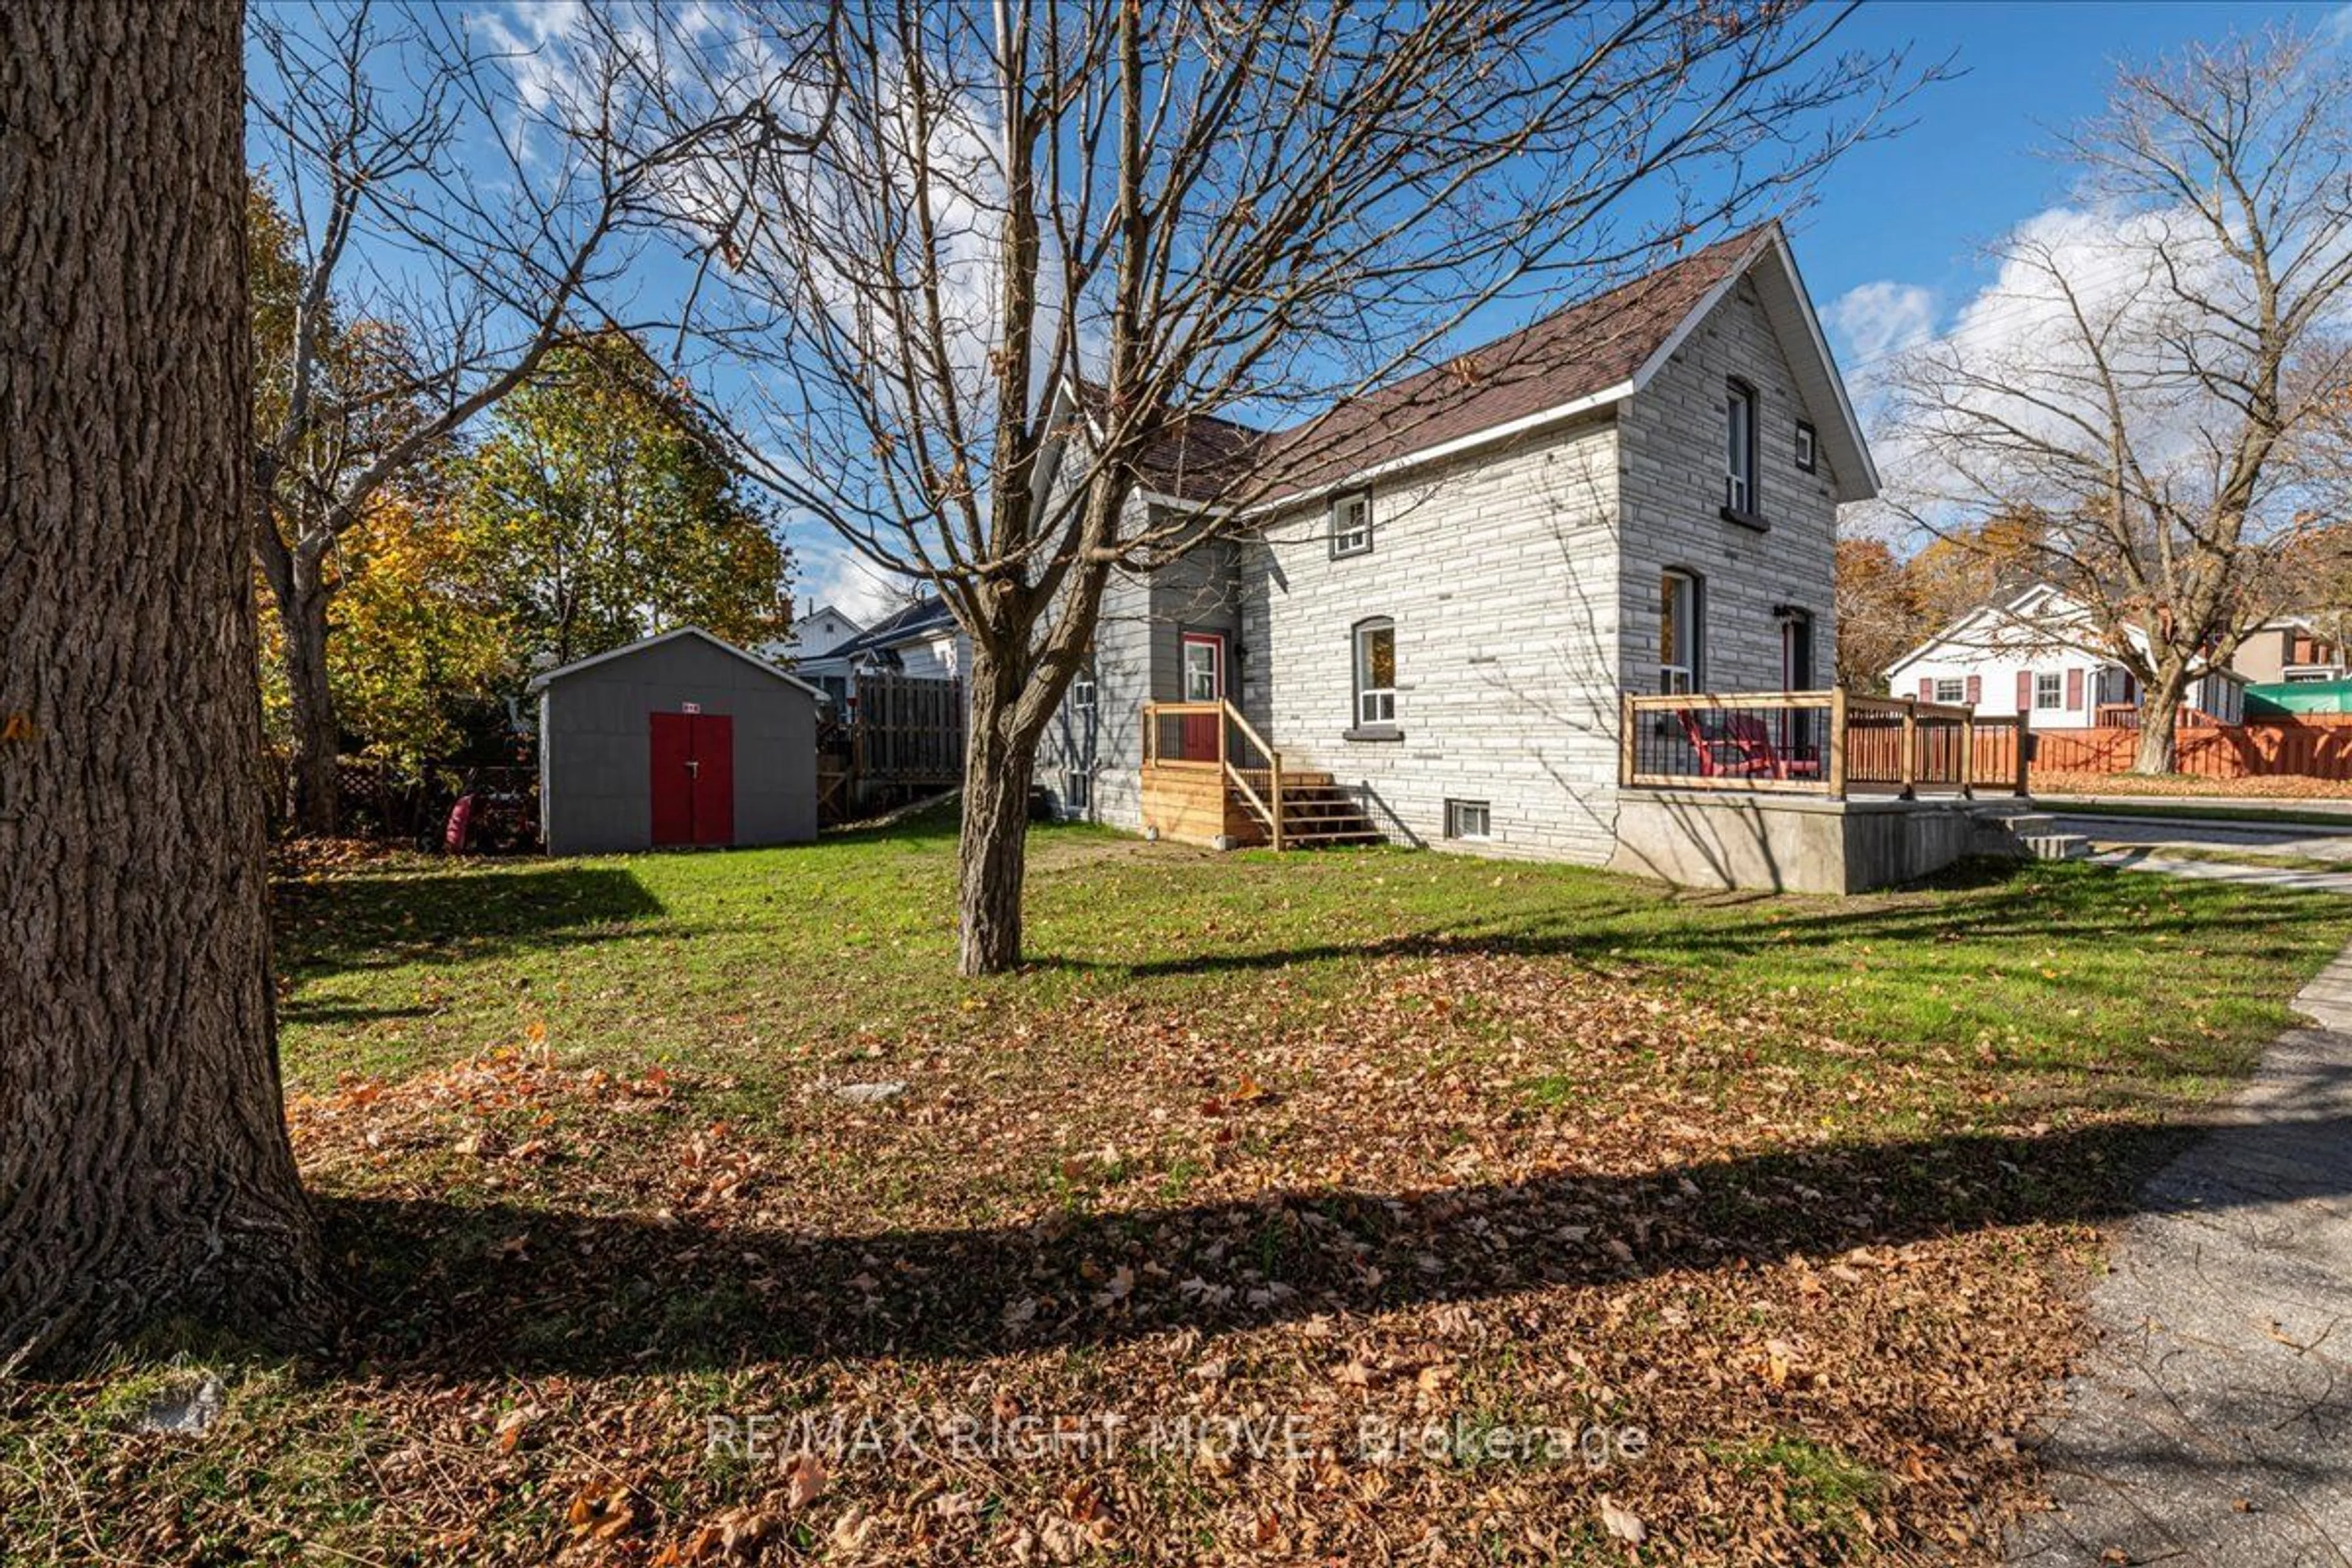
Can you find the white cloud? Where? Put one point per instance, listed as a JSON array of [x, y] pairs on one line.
[[1874, 320], [832, 574]]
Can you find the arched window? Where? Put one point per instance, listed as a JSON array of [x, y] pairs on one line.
[[1375, 642]]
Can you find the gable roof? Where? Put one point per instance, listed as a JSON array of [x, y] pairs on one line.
[[1587, 356], [921, 618], [540, 681], [2041, 612]]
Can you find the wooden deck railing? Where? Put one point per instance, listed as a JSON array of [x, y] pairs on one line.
[[1213, 736], [1831, 744]]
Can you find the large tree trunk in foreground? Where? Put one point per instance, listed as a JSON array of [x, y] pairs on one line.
[[992, 852], [144, 1168]]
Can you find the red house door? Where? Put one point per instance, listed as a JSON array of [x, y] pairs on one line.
[[693, 779], [1204, 672]]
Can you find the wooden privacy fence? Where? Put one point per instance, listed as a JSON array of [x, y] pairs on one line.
[[1815, 742], [902, 737], [2310, 745], [907, 730]]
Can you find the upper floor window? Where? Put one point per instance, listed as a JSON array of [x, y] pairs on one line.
[[1678, 631], [1739, 448], [1376, 672], [1806, 443], [1351, 525]]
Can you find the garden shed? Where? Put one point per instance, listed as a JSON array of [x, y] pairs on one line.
[[680, 740]]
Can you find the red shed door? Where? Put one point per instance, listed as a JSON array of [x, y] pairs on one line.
[[693, 779], [673, 779], [714, 779]]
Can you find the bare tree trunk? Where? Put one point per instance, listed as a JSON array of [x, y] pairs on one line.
[[144, 1167], [993, 849], [2159, 714], [316, 809]]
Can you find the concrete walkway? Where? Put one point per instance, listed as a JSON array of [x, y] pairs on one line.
[[2304, 842], [2145, 859], [2212, 1423]]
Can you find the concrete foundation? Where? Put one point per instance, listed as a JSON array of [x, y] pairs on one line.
[[1792, 843]]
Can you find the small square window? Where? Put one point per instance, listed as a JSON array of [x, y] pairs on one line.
[[1805, 458], [1951, 689], [1468, 819], [1351, 525], [2048, 689]]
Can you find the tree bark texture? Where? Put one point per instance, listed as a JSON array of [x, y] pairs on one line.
[[991, 852], [144, 1166], [2159, 714]]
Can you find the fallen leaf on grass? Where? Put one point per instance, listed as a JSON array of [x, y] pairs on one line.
[[601, 1510], [806, 1478], [1622, 1523]]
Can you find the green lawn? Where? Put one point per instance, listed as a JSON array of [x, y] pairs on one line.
[[1801, 1190], [762, 960]]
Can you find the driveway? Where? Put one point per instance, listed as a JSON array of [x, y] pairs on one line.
[[2212, 1425]]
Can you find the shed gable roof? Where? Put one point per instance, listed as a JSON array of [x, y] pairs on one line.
[[540, 681]]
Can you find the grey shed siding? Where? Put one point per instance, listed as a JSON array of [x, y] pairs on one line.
[[595, 754]]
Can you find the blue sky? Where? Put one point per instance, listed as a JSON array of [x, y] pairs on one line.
[[1913, 210], [1890, 249]]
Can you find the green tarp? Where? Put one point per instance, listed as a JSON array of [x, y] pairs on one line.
[[2276, 700]]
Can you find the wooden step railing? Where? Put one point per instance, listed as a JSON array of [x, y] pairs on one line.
[[1214, 735]]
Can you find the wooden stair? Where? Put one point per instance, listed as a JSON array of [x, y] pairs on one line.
[[1317, 814]]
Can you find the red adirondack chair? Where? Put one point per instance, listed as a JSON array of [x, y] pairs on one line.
[[1744, 750]]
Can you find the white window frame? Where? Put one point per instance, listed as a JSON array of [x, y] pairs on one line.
[[1352, 524], [1958, 685], [1458, 817], [1739, 448], [1375, 705], [1808, 448], [2049, 690], [1186, 643], [1682, 631]]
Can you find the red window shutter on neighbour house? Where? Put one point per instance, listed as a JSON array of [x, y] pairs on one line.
[[2025, 691], [2074, 692], [1976, 690], [1926, 689]]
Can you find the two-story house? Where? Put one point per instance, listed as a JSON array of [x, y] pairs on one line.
[[1433, 617]]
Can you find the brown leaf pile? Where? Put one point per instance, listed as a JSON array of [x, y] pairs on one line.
[[1291, 1277]]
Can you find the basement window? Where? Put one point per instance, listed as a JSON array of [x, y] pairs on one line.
[[1468, 819]]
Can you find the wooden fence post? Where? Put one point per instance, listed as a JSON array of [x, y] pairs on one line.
[[1624, 738], [1837, 742], [1967, 753], [1274, 764], [2024, 752], [1910, 748]]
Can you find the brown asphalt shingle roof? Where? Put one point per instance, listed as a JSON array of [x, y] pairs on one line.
[[1572, 354]]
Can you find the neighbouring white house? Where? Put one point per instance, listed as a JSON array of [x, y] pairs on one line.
[[814, 629], [2039, 653], [921, 639], [1435, 616]]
